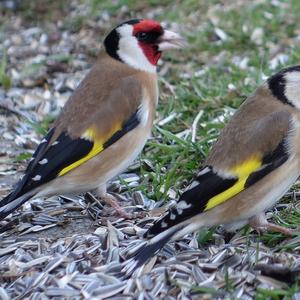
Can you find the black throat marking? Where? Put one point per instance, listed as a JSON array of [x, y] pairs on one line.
[[277, 84], [111, 42]]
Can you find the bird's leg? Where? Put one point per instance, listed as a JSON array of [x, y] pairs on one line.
[[157, 212], [261, 225], [112, 201]]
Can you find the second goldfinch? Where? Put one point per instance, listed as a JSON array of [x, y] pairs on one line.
[[254, 162], [105, 123]]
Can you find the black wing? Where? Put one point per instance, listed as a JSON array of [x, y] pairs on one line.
[[209, 184], [49, 160]]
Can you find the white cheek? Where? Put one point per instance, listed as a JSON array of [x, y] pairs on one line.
[[292, 88], [130, 51], [293, 136]]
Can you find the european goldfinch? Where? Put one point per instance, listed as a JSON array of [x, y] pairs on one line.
[[255, 160], [105, 123]]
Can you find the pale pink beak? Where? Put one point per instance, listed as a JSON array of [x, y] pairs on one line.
[[170, 40]]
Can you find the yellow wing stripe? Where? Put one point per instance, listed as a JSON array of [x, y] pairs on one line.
[[242, 172], [97, 148]]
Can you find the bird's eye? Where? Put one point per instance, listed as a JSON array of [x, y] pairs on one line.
[[142, 36]]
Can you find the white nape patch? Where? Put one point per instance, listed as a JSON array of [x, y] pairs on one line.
[[36, 178], [181, 205], [163, 224], [130, 51], [43, 161], [292, 87], [55, 143]]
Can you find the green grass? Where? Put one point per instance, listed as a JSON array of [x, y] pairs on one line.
[[276, 294], [200, 77], [177, 159], [5, 80], [42, 127]]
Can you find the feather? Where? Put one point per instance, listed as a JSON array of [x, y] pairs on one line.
[[150, 249], [6, 209], [59, 158], [39, 152], [244, 172], [211, 189], [193, 200]]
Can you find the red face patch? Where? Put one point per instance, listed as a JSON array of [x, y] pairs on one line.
[[146, 26], [150, 50]]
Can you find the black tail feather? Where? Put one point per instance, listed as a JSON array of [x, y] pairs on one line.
[[21, 188], [148, 251], [12, 205], [6, 199]]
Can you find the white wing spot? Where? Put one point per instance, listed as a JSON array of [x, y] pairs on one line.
[[204, 171], [55, 143], [172, 216], [193, 184], [163, 225], [36, 178], [44, 141], [181, 205], [43, 161]]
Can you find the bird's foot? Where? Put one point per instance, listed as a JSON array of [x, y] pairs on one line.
[[120, 211], [261, 225], [157, 212], [113, 202]]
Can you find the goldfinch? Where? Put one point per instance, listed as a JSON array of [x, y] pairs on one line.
[[255, 160], [105, 123]]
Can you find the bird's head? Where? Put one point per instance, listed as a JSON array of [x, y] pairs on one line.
[[285, 86], [140, 42]]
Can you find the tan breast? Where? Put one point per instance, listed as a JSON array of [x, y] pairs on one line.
[[117, 157], [258, 126]]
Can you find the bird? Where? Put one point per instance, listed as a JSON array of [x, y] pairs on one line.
[[252, 164], [105, 123]]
